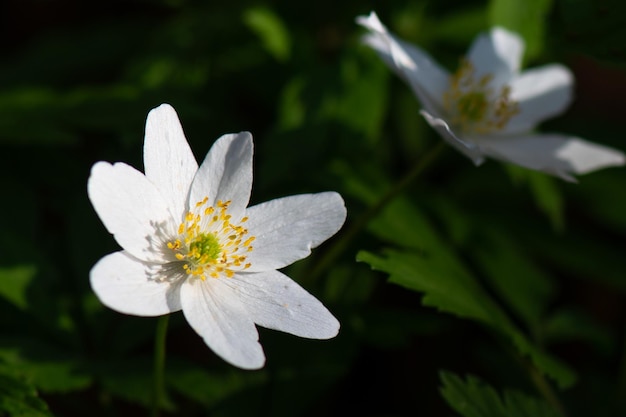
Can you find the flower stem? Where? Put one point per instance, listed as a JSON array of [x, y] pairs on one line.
[[158, 387], [545, 389], [340, 245]]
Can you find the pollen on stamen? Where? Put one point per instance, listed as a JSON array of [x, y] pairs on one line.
[[208, 243], [473, 104]]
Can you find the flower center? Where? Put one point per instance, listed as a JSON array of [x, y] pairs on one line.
[[208, 244], [205, 246], [474, 106]]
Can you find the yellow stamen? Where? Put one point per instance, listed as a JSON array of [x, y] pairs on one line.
[[474, 106], [208, 242]]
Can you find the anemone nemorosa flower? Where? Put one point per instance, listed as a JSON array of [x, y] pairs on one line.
[[488, 107], [191, 243]]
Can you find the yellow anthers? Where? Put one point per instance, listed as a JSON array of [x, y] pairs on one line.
[[203, 202], [174, 246], [208, 243], [474, 106]]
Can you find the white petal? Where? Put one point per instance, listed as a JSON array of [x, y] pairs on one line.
[[427, 78], [541, 93], [168, 159], [226, 173], [125, 284], [498, 53], [287, 228], [467, 148], [222, 321], [554, 154], [276, 302], [132, 209]]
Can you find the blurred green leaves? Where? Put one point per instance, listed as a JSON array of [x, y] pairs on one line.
[[50, 368], [448, 287], [426, 263], [526, 17], [14, 283], [473, 398], [271, 31], [18, 398]]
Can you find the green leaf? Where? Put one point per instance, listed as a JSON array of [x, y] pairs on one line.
[[46, 366], [402, 223], [14, 282], [271, 30], [361, 101], [526, 17], [445, 286], [566, 324], [474, 398], [517, 280], [451, 289], [459, 25], [18, 398]]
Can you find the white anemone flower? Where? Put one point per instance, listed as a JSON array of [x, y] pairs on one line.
[[191, 243], [490, 108]]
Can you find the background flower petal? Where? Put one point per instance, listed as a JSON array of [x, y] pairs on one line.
[[499, 53], [226, 173], [132, 209], [168, 160], [554, 154], [425, 76], [467, 148], [125, 284], [541, 93], [287, 228], [276, 302], [222, 321]]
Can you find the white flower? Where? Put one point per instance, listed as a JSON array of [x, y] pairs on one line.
[[191, 243], [488, 107]]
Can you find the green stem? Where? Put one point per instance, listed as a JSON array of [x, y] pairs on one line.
[[158, 388], [340, 244], [545, 389], [537, 378]]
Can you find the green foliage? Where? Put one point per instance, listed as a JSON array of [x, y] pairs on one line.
[[430, 266], [526, 17], [449, 289], [18, 398], [271, 30], [513, 275], [14, 282], [46, 366], [474, 398]]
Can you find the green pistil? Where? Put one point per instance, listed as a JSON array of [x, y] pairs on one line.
[[473, 106], [205, 247]]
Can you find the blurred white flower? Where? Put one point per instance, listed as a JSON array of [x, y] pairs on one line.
[[190, 242], [488, 107]]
